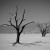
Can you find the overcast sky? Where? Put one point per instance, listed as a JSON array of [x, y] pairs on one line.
[[37, 10]]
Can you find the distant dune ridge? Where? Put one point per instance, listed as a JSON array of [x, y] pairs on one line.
[[10, 29], [28, 28], [7, 29]]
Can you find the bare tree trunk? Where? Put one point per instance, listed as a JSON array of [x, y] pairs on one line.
[[18, 37], [43, 34]]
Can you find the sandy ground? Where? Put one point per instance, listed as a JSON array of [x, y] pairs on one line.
[[29, 42]]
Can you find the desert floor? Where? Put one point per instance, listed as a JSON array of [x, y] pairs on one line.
[[28, 42]]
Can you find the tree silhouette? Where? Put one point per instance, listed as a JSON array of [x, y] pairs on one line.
[[17, 26], [43, 30]]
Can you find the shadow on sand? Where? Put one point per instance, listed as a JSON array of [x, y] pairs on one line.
[[29, 44], [37, 43], [41, 42]]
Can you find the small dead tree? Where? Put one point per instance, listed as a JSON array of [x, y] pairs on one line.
[[18, 26], [43, 30]]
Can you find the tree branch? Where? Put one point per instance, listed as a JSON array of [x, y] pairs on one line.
[[16, 11], [22, 18], [5, 24], [24, 26], [39, 25], [47, 27], [29, 23], [16, 20], [11, 14], [11, 23]]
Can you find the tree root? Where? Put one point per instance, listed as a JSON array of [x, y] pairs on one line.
[[16, 43]]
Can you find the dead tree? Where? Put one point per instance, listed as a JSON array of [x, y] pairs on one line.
[[18, 26], [43, 30]]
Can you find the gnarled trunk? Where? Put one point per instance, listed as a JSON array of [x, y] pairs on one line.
[[43, 34], [18, 37]]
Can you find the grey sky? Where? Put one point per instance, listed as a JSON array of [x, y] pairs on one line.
[[37, 10]]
